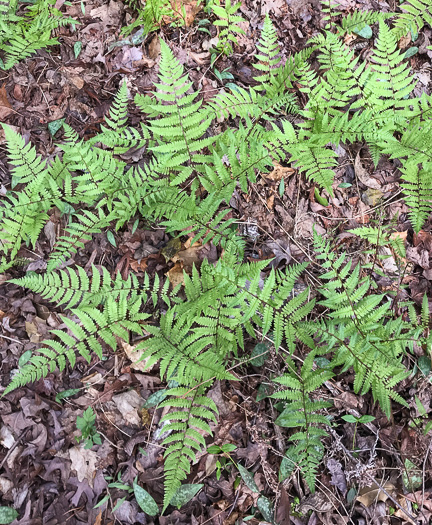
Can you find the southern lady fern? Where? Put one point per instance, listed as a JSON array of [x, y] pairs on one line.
[[185, 184], [25, 32]]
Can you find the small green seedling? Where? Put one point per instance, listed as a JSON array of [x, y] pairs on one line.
[[353, 419], [225, 459], [86, 424]]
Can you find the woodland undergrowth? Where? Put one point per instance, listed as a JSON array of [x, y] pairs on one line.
[[200, 331]]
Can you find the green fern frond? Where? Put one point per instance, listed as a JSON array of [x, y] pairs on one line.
[[416, 14], [179, 132], [94, 327], [354, 22], [393, 83], [77, 234], [269, 52], [186, 425], [303, 413], [417, 186]]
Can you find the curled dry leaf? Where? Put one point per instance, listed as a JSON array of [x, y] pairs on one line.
[[175, 275], [363, 176]]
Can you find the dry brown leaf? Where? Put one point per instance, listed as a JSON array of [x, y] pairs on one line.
[[98, 520], [349, 37], [5, 107], [364, 176], [144, 62], [190, 255], [279, 172], [84, 462], [154, 47], [129, 404], [175, 275], [191, 8], [135, 356], [270, 202], [403, 502], [370, 495], [200, 58], [405, 41]]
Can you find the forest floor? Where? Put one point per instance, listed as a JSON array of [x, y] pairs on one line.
[[44, 474]]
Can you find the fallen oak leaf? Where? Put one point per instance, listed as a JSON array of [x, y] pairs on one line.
[[5, 107]]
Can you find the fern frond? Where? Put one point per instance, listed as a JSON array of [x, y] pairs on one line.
[[303, 413], [356, 21], [186, 424], [269, 52], [416, 14], [179, 132], [77, 234], [94, 327]]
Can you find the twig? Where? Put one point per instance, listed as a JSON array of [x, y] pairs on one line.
[[371, 478], [13, 447]]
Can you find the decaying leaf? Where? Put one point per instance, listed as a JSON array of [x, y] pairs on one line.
[[84, 462], [363, 176], [279, 172], [5, 107], [370, 495], [175, 275], [135, 356]]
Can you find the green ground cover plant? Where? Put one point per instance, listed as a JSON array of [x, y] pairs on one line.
[[205, 325], [25, 31]]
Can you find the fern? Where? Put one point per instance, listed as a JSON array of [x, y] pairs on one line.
[[201, 330], [115, 320], [416, 14], [355, 333], [150, 18], [179, 130], [186, 427], [229, 21], [22, 35], [356, 21], [77, 234], [303, 414]]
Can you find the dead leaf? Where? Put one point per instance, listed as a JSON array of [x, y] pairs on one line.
[[5, 107], [171, 249], [370, 495], [405, 41], [200, 58], [175, 275], [136, 357], [84, 462], [349, 37], [279, 172], [128, 404], [337, 475], [190, 7], [209, 44], [364, 176], [190, 255], [144, 62], [50, 232], [154, 47], [98, 520], [318, 502], [371, 196], [270, 202]]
